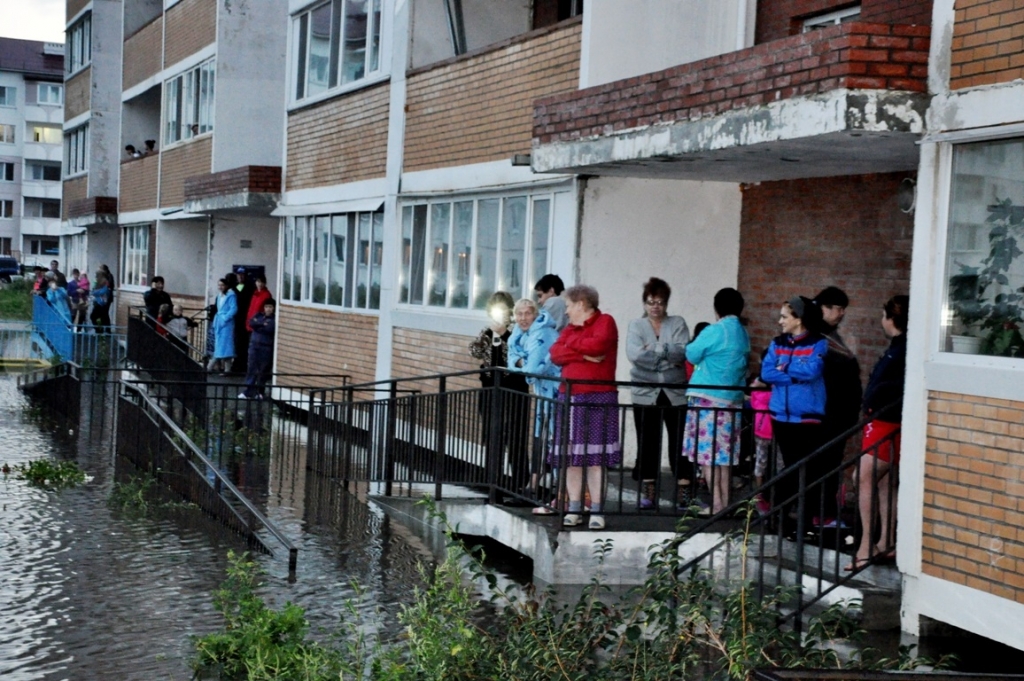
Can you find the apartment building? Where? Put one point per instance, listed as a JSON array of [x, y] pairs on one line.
[[31, 99]]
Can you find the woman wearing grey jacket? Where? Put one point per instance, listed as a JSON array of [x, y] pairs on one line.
[[656, 347]]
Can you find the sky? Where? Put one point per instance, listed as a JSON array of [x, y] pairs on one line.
[[33, 20]]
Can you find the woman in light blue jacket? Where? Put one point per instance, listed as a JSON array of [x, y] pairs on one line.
[[224, 329], [714, 416]]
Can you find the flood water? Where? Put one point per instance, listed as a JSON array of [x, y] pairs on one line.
[[87, 592]]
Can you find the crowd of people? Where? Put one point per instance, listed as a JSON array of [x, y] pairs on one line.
[[805, 396], [75, 298]]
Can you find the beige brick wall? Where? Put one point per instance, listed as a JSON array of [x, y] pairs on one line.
[[77, 93], [178, 163], [480, 108], [74, 190], [342, 140], [75, 6], [988, 43], [142, 53], [191, 25], [420, 353], [973, 531], [125, 301], [318, 341], [139, 183]]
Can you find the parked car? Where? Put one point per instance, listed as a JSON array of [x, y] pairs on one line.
[[8, 268]]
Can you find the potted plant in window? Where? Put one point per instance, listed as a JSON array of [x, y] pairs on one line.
[[968, 307]]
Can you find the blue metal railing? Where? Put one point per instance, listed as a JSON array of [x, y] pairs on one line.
[[82, 345]]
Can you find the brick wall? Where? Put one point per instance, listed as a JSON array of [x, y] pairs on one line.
[[419, 353], [342, 140], [77, 93], [796, 237], [853, 55], [317, 341], [259, 179], [780, 18], [988, 43], [478, 108], [138, 179], [74, 190], [192, 158], [75, 6], [974, 493], [191, 26], [143, 53], [125, 301]]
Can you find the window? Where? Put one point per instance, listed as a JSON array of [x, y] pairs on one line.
[[42, 171], [8, 95], [6, 172], [44, 247], [984, 310], [189, 101], [832, 18], [6, 134], [50, 93], [5, 245], [46, 134], [456, 254], [42, 208], [135, 255], [6, 209], [76, 155], [78, 44], [334, 259], [337, 43]]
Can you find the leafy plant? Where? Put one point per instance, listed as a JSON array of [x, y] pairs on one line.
[[138, 496], [51, 475]]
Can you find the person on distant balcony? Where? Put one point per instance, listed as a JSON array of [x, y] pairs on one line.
[[656, 347], [877, 475], [101, 300], [587, 350], [154, 299], [150, 147], [224, 329], [261, 350]]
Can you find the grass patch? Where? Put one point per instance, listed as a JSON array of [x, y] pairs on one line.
[[49, 474], [16, 300]]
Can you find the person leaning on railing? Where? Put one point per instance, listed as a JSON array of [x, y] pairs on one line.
[[881, 442], [586, 350]]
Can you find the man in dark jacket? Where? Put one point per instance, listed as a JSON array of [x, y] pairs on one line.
[[154, 298], [842, 393], [261, 350]]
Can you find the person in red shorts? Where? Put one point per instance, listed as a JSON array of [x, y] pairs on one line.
[[879, 464]]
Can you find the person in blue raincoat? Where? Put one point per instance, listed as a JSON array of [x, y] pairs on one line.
[[224, 329], [57, 297]]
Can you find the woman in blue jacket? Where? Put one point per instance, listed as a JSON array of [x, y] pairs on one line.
[[224, 329], [794, 367]]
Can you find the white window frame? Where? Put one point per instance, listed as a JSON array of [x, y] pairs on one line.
[[476, 295], [831, 18], [76, 151], [6, 171], [374, 59], [6, 209], [8, 96], [30, 171], [6, 133], [50, 88], [135, 255], [78, 45], [189, 103]]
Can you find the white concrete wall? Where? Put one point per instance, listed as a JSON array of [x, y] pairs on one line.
[[226, 248], [625, 39], [105, 106], [181, 255]]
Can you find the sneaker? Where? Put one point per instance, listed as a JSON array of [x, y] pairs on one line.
[[243, 396], [596, 522], [834, 524], [572, 520]]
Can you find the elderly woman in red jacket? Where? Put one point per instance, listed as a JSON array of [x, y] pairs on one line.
[[586, 350]]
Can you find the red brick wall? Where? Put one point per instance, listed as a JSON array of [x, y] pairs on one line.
[[74, 190], [77, 93], [853, 55], [796, 237], [143, 53], [421, 353], [974, 493], [138, 180], [780, 18], [191, 25], [259, 179], [341, 140], [318, 341], [179, 163], [478, 108], [988, 43]]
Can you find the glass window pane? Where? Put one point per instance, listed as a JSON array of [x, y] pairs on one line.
[[419, 240], [363, 269], [513, 246], [319, 64], [377, 258], [539, 239], [353, 46], [288, 260], [462, 243], [300, 60], [320, 252], [299, 276], [403, 275], [437, 275], [375, 37], [985, 290], [486, 251], [339, 236]]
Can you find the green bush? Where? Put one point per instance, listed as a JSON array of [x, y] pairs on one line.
[[16, 300], [50, 474]]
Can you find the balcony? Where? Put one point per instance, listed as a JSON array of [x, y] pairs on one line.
[[248, 190], [40, 226], [843, 100], [138, 189], [85, 212]]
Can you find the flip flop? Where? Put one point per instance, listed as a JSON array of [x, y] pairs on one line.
[[857, 564], [543, 510], [887, 557]]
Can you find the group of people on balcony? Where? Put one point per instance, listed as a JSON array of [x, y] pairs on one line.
[[70, 297], [806, 395]]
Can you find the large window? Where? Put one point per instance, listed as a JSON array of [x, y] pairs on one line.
[[42, 170], [42, 208], [334, 259], [50, 93], [76, 150], [984, 310], [6, 209], [78, 44], [457, 253], [46, 134], [135, 255], [44, 247], [337, 43], [6, 134], [8, 95], [6, 172], [5, 245], [189, 103]]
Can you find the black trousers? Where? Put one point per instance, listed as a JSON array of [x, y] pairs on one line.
[[100, 317], [650, 422], [796, 442], [515, 425]]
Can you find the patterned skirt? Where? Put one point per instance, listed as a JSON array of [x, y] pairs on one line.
[[712, 432], [593, 431]]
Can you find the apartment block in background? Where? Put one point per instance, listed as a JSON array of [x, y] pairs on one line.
[[31, 112]]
